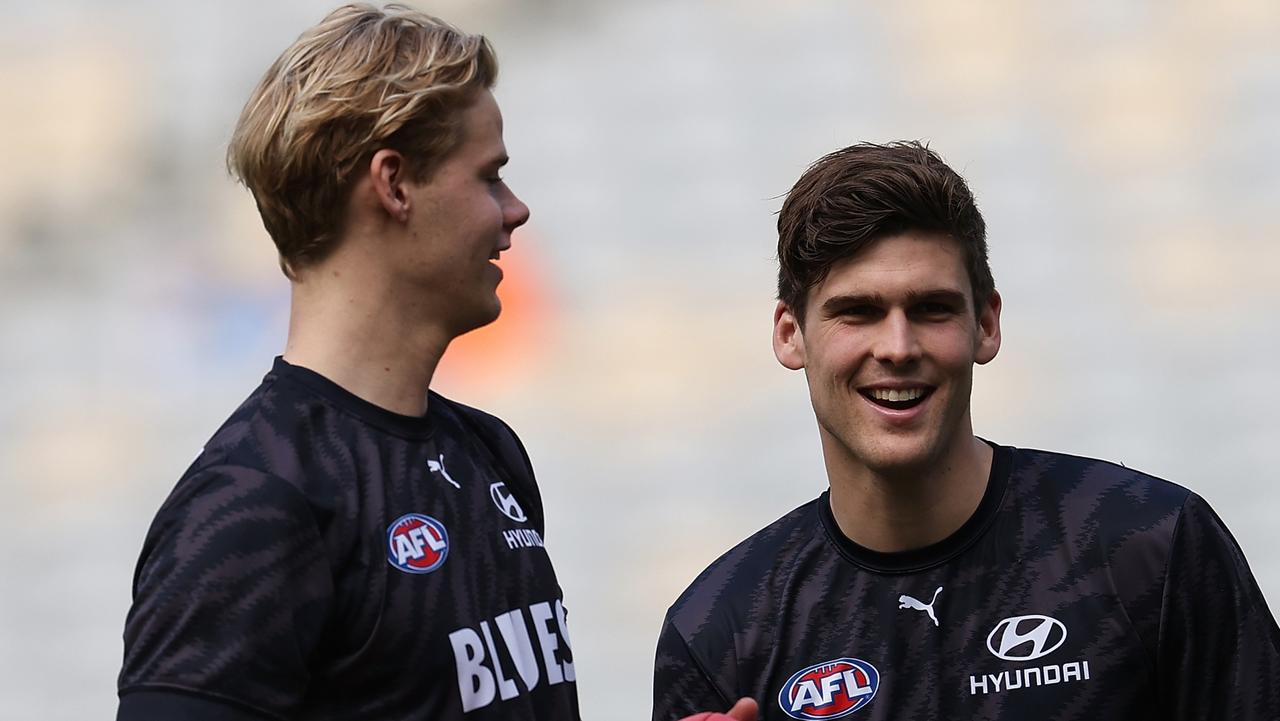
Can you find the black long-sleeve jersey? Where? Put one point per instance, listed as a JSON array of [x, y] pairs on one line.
[[324, 558], [1079, 589]]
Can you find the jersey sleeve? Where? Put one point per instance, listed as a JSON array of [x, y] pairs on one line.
[[230, 596], [521, 465], [681, 686], [1219, 647]]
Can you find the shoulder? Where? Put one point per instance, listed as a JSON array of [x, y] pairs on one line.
[[297, 428], [280, 453], [271, 431], [493, 433], [470, 418], [1104, 515], [733, 586], [1089, 493]]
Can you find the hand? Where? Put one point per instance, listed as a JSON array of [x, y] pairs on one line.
[[745, 710]]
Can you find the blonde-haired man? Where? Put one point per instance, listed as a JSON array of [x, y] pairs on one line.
[[350, 545]]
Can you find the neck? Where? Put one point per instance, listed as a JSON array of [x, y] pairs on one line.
[[892, 511], [358, 332]]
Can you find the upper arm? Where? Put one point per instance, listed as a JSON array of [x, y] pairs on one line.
[[681, 684], [1219, 647], [230, 596]]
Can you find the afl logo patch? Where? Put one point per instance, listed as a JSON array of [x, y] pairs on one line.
[[417, 543], [829, 690]]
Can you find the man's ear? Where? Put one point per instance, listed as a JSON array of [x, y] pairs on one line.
[[388, 174], [788, 338], [988, 330]]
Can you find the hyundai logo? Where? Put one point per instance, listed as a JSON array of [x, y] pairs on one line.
[[1026, 638], [506, 502]]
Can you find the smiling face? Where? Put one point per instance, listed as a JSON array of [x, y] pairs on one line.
[[888, 344], [462, 218]]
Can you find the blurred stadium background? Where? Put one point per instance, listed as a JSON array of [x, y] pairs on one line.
[[1126, 156]]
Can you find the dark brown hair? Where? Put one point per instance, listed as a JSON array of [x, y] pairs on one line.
[[865, 192]]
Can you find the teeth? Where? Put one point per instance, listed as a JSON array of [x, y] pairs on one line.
[[882, 394]]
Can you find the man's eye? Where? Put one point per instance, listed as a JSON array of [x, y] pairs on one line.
[[936, 309], [859, 311]]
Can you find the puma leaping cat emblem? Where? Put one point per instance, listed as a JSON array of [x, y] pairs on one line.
[[905, 601], [438, 467]]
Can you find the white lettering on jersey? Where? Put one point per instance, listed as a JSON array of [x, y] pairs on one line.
[[823, 692], [1027, 638], [516, 635], [522, 538], [569, 675], [542, 613], [806, 695], [506, 687], [853, 687], [410, 545], [424, 535], [405, 549], [475, 682], [1029, 677], [481, 676]]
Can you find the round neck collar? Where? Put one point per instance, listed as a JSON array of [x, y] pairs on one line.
[[336, 395], [919, 559]]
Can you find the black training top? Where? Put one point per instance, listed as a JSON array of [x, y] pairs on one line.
[[1079, 589], [324, 558]]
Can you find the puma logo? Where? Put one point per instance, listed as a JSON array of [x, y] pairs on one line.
[[905, 601], [438, 467]]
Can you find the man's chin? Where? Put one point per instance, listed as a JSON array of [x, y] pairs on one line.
[[479, 319], [494, 311], [899, 456]]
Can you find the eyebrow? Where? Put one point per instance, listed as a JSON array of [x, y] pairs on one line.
[[936, 295]]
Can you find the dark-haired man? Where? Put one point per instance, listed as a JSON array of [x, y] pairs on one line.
[[943, 576]]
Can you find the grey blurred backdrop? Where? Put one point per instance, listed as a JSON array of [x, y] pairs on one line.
[[1126, 156]]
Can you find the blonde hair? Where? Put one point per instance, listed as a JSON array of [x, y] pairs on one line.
[[363, 79]]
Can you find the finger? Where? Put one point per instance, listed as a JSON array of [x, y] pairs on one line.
[[745, 710]]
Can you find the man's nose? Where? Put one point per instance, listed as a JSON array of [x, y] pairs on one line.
[[897, 343], [514, 212]]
